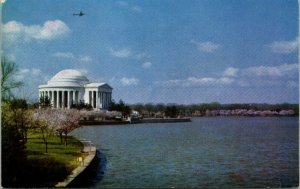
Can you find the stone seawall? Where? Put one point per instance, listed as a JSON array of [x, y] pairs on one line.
[[88, 154]]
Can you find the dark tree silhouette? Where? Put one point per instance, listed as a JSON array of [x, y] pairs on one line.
[[81, 105], [120, 107], [171, 111], [13, 156], [8, 69], [45, 102]]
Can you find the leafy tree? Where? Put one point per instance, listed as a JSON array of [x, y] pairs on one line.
[[67, 122], [138, 107], [124, 108], [160, 107], [112, 106], [6, 113], [45, 102], [149, 108], [171, 111], [46, 120], [50, 121], [8, 82], [16, 114], [21, 117], [81, 105], [120, 107]]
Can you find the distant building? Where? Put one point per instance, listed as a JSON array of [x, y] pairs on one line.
[[69, 87]]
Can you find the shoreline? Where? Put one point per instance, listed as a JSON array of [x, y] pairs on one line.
[[163, 120], [97, 122], [88, 154], [160, 120], [135, 121]]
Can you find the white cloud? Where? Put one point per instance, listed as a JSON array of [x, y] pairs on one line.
[[273, 71], [50, 30], [207, 47], [140, 56], [123, 53], [129, 81], [36, 72], [232, 72], [32, 78], [64, 55], [27, 73], [259, 76], [127, 53], [21, 74], [86, 59], [147, 65], [71, 56], [195, 82], [83, 71], [208, 81], [134, 8], [281, 75], [284, 47]]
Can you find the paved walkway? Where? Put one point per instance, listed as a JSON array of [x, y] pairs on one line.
[[88, 154]]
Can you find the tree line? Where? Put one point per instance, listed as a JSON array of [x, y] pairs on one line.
[[150, 109]]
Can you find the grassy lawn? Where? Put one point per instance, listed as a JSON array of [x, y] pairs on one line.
[[46, 169], [56, 151]]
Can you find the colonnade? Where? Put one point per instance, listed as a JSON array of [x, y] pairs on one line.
[[65, 98], [61, 98], [98, 97]]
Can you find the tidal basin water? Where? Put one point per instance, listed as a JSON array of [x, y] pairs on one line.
[[213, 152]]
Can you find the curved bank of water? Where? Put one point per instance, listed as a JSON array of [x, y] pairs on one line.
[[88, 154], [206, 153]]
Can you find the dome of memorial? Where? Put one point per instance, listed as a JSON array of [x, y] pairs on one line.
[[68, 77]]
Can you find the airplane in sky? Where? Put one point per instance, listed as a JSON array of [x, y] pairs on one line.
[[79, 14]]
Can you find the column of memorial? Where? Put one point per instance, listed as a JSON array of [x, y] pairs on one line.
[[101, 99], [77, 97], [54, 99], [69, 97], [105, 100], [51, 98], [57, 99], [109, 98], [95, 98], [73, 97]]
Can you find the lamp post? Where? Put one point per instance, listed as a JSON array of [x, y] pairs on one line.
[[80, 160]]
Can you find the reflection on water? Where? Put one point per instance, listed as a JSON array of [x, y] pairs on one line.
[[208, 152]]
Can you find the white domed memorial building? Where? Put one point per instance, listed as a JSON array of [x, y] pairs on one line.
[[69, 87]]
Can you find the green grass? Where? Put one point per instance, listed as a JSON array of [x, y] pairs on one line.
[[66, 155], [46, 169]]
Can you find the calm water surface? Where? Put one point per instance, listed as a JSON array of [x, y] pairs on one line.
[[205, 153]]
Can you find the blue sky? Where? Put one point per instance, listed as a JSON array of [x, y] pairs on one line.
[[185, 52]]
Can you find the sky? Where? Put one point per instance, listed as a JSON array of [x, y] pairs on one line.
[[152, 51]]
